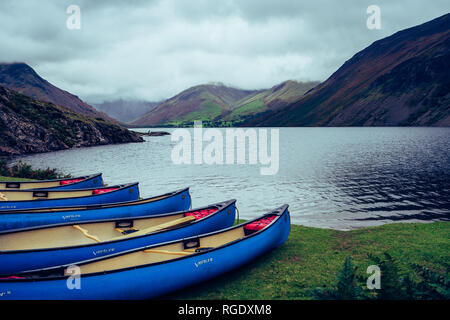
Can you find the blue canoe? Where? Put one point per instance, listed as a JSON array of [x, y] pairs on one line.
[[37, 248], [84, 182], [152, 271], [19, 218], [43, 198]]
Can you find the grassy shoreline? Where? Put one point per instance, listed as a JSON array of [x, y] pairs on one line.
[[312, 257]]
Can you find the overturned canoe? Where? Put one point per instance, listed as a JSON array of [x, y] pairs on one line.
[[178, 200], [37, 248], [43, 198], [84, 182], [152, 271]]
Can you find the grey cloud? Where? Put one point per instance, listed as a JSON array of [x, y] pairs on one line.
[[151, 50]]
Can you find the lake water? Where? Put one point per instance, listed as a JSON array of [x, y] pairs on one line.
[[341, 178]]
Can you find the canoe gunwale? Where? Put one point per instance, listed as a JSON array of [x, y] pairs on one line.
[[220, 205], [120, 188], [86, 177], [58, 273], [46, 210]]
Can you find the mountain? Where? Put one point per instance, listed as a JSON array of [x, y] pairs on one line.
[[125, 110], [217, 103], [30, 126], [270, 100], [401, 80], [23, 79], [202, 102]]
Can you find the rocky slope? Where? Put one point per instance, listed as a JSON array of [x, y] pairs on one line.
[[401, 80], [31, 126], [23, 79]]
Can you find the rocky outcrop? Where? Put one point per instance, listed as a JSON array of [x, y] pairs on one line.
[[32, 126]]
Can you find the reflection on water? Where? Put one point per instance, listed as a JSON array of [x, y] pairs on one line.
[[331, 177]]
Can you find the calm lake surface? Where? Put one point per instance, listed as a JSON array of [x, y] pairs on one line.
[[341, 178]]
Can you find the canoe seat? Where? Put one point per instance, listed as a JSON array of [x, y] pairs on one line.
[[69, 181], [167, 225], [86, 233], [258, 224], [100, 191]]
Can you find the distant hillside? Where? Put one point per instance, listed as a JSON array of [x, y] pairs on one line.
[[125, 110], [203, 102], [401, 80], [218, 104], [23, 79], [30, 126], [270, 100]]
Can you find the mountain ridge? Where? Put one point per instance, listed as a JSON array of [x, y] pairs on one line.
[[217, 103], [398, 80], [22, 78]]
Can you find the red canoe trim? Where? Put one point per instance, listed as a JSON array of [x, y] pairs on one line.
[[99, 191], [199, 214], [12, 277], [70, 181]]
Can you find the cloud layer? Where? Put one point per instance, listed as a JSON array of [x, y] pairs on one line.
[[151, 50]]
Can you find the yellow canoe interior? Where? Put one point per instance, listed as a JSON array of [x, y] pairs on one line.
[[161, 253], [31, 185], [19, 195], [87, 233]]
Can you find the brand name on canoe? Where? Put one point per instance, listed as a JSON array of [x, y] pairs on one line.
[[71, 216], [202, 262], [227, 146], [104, 251], [4, 293]]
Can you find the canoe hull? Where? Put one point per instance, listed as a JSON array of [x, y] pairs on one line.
[[26, 260], [127, 193], [180, 201], [157, 279]]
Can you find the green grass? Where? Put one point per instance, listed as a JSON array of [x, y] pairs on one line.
[[312, 257], [3, 178], [208, 110], [249, 108]]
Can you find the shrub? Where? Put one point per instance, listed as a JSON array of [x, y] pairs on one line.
[[346, 287], [24, 170]]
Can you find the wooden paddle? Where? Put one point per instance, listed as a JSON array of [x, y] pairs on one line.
[[158, 227], [86, 234]]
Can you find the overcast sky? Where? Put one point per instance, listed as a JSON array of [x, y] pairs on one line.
[[151, 50]]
